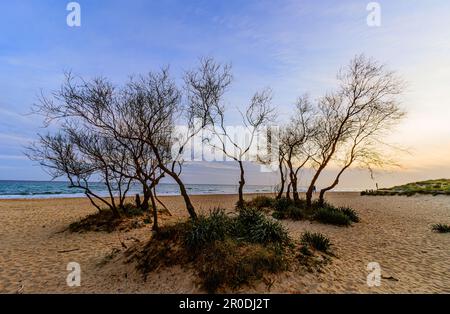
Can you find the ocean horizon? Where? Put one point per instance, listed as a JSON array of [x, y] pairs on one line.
[[10, 189], [35, 189]]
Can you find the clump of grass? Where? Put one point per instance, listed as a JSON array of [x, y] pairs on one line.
[[207, 229], [316, 241], [253, 226], [295, 213], [441, 228], [350, 213], [130, 210], [232, 263], [282, 204], [331, 216], [261, 202], [166, 248], [340, 216], [285, 208]]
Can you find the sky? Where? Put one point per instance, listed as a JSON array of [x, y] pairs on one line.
[[292, 46]]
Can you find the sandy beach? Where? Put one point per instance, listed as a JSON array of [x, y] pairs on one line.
[[394, 231]]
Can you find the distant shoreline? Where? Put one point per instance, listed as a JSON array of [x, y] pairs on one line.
[[131, 196]]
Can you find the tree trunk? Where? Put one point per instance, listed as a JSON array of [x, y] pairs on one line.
[[333, 185], [155, 227], [309, 193], [322, 196], [283, 180], [294, 188], [137, 201], [240, 203], [190, 208], [288, 192], [145, 203]]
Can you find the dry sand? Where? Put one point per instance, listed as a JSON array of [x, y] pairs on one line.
[[394, 231]]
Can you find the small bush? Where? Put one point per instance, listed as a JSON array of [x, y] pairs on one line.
[[106, 221], [231, 263], [441, 228], [317, 241], [279, 215], [261, 201], [282, 204], [267, 232], [326, 213], [350, 213], [285, 208], [131, 210], [251, 225], [294, 213], [225, 251], [329, 215], [207, 229]]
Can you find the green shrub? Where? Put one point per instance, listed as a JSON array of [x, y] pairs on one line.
[[285, 208], [231, 263], [350, 213], [279, 215], [329, 214], [301, 203], [253, 226], [268, 231], [294, 213], [441, 228], [317, 241], [282, 204], [207, 229], [131, 210], [332, 216], [261, 201], [304, 250]]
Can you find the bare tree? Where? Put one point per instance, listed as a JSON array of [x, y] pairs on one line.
[[206, 87], [81, 161], [99, 121], [366, 87], [282, 169], [295, 141], [257, 114], [365, 145]]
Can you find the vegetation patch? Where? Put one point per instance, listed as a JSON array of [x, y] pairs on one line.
[[430, 187], [315, 251], [317, 241], [226, 251], [234, 263], [332, 216], [105, 221], [285, 208], [441, 228], [261, 202]]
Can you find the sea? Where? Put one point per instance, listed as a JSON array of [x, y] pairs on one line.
[[10, 189]]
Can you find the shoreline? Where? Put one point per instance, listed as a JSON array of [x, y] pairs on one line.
[[68, 196]]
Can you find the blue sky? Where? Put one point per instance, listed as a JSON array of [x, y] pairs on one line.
[[292, 46]]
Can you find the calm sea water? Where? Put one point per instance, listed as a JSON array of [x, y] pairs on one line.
[[51, 189]]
